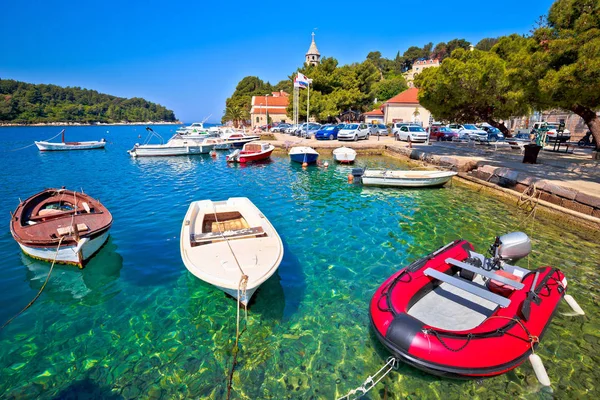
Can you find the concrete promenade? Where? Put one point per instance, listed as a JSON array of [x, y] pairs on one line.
[[567, 181]]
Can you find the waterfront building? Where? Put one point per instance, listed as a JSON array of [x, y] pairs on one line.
[[313, 57], [405, 107], [274, 105], [374, 117]]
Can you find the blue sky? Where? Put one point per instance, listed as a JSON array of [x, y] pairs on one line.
[[189, 56]]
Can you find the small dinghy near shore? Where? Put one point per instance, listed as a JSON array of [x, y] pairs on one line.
[[376, 177], [303, 154], [231, 245], [64, 146], [61, 224], [458, 314], [254, 151], [344, 155]]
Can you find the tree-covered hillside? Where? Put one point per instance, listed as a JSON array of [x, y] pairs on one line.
[[26, 103]]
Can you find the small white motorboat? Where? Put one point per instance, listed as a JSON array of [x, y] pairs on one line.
[[63, 146], [303, 154], [231, 245], [375, 177], [176, 146], [344, 155], [237, 139]]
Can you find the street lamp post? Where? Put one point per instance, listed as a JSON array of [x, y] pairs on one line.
[[267, 111]]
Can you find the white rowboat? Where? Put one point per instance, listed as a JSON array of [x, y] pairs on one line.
[[344, 155], [64, 146], [371, 177], [221, 241]]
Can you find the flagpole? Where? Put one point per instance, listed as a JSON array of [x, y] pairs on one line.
[[307, 104]]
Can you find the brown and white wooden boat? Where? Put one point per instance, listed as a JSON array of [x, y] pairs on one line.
[[61, 224]]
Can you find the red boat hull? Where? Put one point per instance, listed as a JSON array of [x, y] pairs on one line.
[[251, 157], [500, 343]]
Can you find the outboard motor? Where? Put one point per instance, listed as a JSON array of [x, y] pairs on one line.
[[357, 174], [511, 247]]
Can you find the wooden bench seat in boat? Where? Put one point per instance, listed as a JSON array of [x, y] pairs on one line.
[[228, 234], [488, 274], [68, 230], [468, 287]]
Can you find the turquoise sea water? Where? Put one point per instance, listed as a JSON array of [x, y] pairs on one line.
[[135, 324]]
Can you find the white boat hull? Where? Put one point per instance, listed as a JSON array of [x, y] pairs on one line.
[[344, 155], [157, 151], [406, 178], [66, 254], [49, 146], [207, 255]]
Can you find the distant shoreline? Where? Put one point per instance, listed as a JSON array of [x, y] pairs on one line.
[[10, 125]]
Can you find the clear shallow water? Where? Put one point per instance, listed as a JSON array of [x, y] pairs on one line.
[[135, 323]]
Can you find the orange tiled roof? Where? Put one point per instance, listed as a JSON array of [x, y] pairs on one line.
[[272, 101], [375, 112], [409, 96]]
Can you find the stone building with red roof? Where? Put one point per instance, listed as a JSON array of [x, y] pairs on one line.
[[374, 117], [274, 104], [405, 107]]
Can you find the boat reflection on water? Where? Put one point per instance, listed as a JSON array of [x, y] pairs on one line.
[[92, 285]]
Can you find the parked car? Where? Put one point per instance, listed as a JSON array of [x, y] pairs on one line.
[[354, 132], [403, 125], [443, 133], [327, 132], [396, 127], [309, 130], [412, 133], [552, 131], [291, 129], [378, 129], [280, 128], [299, 129], [492, 134], [467, 131]]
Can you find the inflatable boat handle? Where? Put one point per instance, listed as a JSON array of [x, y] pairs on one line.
[[483, 272], [468, 287]]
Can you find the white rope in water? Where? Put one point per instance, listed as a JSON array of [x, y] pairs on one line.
[[371, 381], [32, 144], [41, 289]]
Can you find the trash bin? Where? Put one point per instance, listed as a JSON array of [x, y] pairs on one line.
[[531, 153]]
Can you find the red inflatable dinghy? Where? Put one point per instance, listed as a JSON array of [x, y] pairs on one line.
[[458, 314]]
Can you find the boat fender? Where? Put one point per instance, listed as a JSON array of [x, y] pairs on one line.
[[538, 368], [571, 302], [350, 178], [403, 330]]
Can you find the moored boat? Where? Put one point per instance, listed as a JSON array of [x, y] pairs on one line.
[[176, 146], [344, 155], [254, 151], [231, 245], [398, 178], [62, 225], [303, 154], [458, 314], [64, 146], [238, 139]]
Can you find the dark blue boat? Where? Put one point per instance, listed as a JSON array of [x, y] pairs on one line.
[[303, 154]]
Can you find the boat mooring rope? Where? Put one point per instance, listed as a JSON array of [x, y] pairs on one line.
[[41, 289], [371, 381], [241, 291], [32, 144]]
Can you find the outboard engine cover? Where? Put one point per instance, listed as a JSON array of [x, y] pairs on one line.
[[357, 173], [513, 247]]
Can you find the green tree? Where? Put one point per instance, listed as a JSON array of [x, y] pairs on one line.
[[486, 44], [471, 86], [388, 88]]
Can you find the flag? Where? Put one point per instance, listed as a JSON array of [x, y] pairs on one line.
[[301, 80]]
